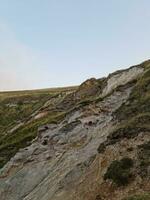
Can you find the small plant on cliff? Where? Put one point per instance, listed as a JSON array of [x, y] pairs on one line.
[[120, 171]]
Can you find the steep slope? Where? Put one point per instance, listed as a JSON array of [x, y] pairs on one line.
[[93, 144]]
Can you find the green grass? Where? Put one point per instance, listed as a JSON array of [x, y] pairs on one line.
[[16, 109], [17, 106]]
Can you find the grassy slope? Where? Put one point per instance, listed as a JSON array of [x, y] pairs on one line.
[[16, 107]]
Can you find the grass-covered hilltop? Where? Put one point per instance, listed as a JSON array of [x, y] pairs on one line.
[[86, 142]]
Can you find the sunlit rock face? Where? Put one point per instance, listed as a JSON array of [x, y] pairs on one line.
[[76, 158]]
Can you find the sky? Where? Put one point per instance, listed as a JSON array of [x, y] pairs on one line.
[[56, 43]]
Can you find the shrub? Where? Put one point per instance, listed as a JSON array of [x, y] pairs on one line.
[[119, 171]]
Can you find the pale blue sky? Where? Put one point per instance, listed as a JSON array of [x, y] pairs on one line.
[[50, 43]]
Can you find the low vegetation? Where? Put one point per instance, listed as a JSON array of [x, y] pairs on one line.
[[138, 197], [22, 137], [134, 115], [120, 171], [131, 128], [144, 159], [17, 107], [139, 100]]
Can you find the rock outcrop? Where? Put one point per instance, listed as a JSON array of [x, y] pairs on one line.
[[96, 151]]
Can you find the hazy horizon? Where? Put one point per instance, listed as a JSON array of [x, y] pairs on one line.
[[46, 44]]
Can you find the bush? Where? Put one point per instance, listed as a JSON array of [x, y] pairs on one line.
[[119, 171]]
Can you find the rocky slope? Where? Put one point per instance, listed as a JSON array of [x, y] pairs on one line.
[[92, 143]]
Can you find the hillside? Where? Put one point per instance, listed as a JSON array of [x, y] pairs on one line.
[[90, 142]]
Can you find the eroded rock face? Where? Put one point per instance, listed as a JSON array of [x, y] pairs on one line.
[[119, 79], [88, 88], [63, 163]]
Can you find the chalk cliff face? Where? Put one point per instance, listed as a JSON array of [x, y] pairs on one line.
[[99, 149]]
